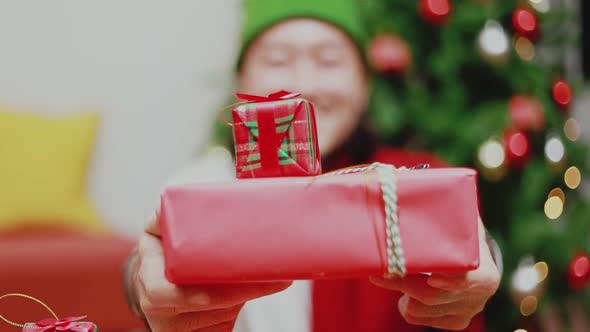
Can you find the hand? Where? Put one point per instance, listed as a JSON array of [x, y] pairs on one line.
[[447, 301], [197, 308]]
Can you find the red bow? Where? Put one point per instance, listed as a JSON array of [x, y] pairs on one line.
[[281, 95], [70, 324]]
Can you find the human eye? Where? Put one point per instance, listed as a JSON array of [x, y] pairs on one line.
[[329, 57], [276, 57]]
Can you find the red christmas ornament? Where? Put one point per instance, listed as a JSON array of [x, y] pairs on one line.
[[517, 147], [562, 94], [525, 23], [527, 113], [390, 53], [579, 272], [435, 12]]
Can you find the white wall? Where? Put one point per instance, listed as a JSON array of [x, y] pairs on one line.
[[157, 70]]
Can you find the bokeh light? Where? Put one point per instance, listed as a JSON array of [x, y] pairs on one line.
[[553, 207], [581, 267], [554, 150], [542, 6], [525, 279], [572, 177], [491, 154], [557, 192], [524, 48], [562, 93], [518, 144], [528, 305], [572, 129], [542, 269], [493, 40]]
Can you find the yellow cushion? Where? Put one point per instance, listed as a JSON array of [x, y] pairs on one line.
[[43, 170]]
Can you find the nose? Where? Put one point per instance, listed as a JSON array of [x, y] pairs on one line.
[[305, 79]]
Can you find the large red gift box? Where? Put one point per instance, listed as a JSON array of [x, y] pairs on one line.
[[275, 135], [374, 222]]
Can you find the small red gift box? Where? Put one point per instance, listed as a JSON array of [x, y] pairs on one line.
[[55, 324], [275, 136], [70, 324], [374, 222]]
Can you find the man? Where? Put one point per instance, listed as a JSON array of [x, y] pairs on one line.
[[315, 48]]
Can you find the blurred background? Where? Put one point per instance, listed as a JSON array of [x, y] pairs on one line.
[[123, 94]]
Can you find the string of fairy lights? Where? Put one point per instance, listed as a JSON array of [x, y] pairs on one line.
[[498, 155], [511, 149]]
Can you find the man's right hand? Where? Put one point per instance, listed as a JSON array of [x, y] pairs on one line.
[[167, 307]]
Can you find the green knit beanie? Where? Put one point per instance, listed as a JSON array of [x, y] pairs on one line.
[[262, 14]]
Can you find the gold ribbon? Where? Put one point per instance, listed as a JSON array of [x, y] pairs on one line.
[[26, 297], [222, 112]]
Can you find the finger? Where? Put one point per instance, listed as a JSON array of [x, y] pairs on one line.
[[481, 230], [158, 295], [166, 298], [192, 321], [416, 287], [149, 246], [475, 281], [223, 327], [411, 307], [222, 296], [454, 323], [463, 308], [169, 325], [153, 226]]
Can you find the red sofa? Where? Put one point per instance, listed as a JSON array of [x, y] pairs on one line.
[[74, 274]]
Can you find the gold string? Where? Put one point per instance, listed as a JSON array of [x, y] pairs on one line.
[[337, 171], [222, 111], [346, 169], [26, 297]]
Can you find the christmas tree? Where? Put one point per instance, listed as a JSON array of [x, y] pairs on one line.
[[462, 79]]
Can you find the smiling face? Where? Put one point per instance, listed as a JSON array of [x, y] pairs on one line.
[[317, 60]]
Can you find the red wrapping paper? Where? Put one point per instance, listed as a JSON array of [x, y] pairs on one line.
[[70, 324], [322, 227], [275, 135]]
